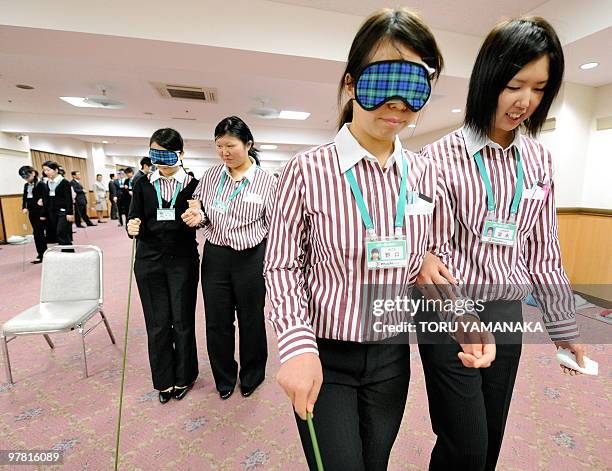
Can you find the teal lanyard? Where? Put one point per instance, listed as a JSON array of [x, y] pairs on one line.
[[177, 190], [235, 193], [518, 192], [365, 215]]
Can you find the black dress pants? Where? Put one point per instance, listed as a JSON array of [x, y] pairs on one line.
[[469, 407], [168, 292], [61, 228], [360, 406], [80, 212], [38, 230], [233, 286]]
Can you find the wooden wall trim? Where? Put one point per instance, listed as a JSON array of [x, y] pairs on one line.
[[586, 211]]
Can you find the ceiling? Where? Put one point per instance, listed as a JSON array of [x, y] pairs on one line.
[[60, 62]]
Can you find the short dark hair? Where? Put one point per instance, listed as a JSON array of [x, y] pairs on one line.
[[52, 165], [128, 170], [234, 126], [397, 26], [111, 175], [506, 50], [98, 175], [74, 172], [167, 138], [146, 161]]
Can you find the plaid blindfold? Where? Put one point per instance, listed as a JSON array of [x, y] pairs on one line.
[[384, 81], [163, 157]]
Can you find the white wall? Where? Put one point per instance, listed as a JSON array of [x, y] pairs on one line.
[[14, 153], [59, 145]]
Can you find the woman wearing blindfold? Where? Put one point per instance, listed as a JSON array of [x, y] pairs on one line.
[[499, 232], [166, 266], [33, 194], [237, 198], [342, 224], [57, 202]]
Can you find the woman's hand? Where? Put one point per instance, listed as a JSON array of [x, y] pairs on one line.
[[579, 350], [192, 216], [301, 378], [24, 210], [133, 227], [70, 217]]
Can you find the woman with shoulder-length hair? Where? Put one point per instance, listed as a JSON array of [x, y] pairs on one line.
[[497, 236]]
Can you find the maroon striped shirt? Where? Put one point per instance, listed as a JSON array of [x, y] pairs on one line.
[[246, 221], [315, 265], [497, 271], [167, 185]]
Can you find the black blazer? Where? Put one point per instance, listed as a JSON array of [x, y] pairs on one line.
[[31, 204], [61, 203], [81, 198], [157, 238]]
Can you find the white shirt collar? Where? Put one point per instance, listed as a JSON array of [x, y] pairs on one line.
[[249, 174], [350, 151], [475, 143], [179, 175], [58, 178]]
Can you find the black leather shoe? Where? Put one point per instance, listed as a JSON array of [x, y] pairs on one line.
[[38, 260], [180, 393], [247, 391], [165, 396], [226, 394]]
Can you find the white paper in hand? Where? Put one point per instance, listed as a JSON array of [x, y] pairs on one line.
[[567, 358]]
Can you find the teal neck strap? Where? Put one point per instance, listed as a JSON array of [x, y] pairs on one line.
[[518, 192], [235, 193], [177, 190], [401, 202]]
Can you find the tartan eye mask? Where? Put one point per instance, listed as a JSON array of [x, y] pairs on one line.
[[384, 81], [163, 157]]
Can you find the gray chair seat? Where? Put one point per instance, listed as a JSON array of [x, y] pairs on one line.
[[51, 316]]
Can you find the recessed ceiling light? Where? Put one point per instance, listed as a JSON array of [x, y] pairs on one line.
[[589, 65], [104, 142], [268, 146], [456, 110], [293, 115], [25, 87], [412, 125]]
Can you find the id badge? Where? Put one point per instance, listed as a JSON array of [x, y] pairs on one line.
[[166, 214], [498, 232], [383, 253], [51, 192], [219, 206]]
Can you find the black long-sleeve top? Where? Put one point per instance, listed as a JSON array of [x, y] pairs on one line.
[[38, 193], [157, 238], [61, 203], [81, 197]]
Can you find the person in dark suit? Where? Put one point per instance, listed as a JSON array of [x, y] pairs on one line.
[[167, 266], [80, 202], [112, 194], [146, 167], [57, 203], [33, 194], [125, 196]]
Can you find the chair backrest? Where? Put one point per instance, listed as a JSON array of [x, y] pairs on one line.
[[70, 276]]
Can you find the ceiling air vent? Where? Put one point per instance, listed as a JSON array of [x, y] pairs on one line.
[[185, 92]]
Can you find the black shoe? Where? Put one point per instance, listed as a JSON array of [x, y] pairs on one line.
[[165, 396], [226, 394], [247, 391], [34, 262], [120, 225], [180, 393]]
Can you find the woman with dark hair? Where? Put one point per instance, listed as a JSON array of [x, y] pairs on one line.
[[497, 236], [57, 202], [237, 198], [337, 204], [166, 266], [32, 205]]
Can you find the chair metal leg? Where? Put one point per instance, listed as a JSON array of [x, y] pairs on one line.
[[82, 333], [7, 361], [48, 339], [108, 329]]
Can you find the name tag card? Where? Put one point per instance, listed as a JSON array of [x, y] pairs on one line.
[[387, 253], [166, 214], [500, 233]]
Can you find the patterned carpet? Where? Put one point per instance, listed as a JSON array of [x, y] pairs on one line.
[[556, 422]]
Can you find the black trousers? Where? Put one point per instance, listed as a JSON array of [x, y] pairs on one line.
[[168, 292], [233, 286], [469, 407], [61, 228], [80, 212], [38, 230], [360, 406], [113, 210]]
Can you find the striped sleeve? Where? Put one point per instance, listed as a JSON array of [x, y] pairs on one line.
[[552, 289], [270, 201], [284, 267]]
